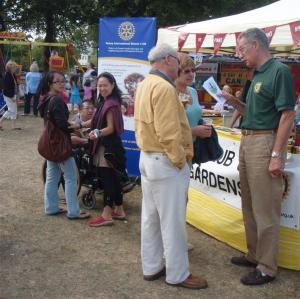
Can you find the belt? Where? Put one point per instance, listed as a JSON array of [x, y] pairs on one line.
[[246, 132], [154, 153]]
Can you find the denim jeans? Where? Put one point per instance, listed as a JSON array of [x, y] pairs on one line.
[[51, 199]]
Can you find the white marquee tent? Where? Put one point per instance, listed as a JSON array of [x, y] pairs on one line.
[[278, 15]]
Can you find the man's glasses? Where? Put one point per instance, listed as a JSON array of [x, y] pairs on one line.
[[175, 58], [242, 50], [88, 108]]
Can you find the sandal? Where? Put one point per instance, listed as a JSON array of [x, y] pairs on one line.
[[100, 221], [60, 211], [118, 216], [82, 215]]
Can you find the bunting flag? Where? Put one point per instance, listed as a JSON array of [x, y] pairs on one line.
[[218, 41], [237, 34], [181, 39], [269, 31], [295, 32], [218, 38], [199, 40]]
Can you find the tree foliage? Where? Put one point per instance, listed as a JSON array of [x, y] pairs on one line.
[[76, 20], [57, 18]]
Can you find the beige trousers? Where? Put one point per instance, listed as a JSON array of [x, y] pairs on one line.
[[261, 201]]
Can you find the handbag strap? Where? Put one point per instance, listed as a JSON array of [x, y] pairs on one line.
[[48, 108], [14, 79]]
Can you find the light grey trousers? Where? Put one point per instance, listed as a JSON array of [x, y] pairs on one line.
[[164, 188]]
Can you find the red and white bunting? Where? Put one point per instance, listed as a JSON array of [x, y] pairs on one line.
[[218, 38], [181, 39], [199, 40], [236, 34], [269, 31], [218, 41], [295, 32]]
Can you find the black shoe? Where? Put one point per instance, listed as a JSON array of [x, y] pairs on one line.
[[256, 278], [242, 261], [159, 274]]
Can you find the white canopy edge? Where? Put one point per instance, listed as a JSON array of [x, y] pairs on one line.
[[278, 14]]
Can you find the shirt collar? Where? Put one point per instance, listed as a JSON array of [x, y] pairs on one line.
[[265, 66], [163, 75]]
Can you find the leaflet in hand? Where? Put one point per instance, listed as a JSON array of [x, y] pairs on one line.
[[213, 89]]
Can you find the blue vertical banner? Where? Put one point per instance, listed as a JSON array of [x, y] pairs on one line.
[[124, 44]]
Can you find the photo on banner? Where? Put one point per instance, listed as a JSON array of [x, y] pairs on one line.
[[124, 44]]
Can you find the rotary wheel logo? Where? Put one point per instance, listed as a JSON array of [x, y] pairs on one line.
[[126, 31]]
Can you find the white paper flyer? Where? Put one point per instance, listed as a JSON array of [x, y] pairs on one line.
[[213, 89]]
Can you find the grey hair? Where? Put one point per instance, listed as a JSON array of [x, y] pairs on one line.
[[256, 34], [160, 51], [34, 67]]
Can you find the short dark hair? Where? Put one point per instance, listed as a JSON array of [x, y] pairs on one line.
[[87, 83], [87, 102]]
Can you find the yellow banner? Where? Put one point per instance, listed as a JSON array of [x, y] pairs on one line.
[[225, 223], [231, 78]]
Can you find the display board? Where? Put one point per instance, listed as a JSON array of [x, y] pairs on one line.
[[124, 44]]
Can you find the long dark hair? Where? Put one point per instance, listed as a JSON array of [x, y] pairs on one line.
[[116, 92], [47, 79], [74, 80]]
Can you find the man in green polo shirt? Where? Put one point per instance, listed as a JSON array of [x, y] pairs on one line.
[[267, 120]]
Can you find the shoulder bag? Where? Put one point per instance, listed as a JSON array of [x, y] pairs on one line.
[[54, 144]]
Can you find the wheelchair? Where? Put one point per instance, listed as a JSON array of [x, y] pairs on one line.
[[87, 176]]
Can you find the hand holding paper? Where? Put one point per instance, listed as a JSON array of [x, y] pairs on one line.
[[233, 101], [213, 89]]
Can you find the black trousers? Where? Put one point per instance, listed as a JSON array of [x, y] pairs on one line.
[[111, 185], [28, 97]]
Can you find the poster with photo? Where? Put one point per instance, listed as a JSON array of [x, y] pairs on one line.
[[124, 44]]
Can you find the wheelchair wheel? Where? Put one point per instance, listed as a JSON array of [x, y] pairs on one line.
[[88, 200], [61, 181]]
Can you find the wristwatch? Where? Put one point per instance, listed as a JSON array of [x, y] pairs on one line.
[[276, 154]]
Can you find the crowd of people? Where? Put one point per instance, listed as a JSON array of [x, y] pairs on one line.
[[168, 119], [75, 92]]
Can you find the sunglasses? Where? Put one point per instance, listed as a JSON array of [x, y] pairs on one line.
[[189, 71]]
